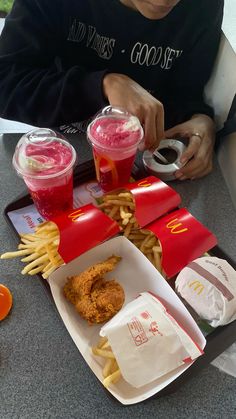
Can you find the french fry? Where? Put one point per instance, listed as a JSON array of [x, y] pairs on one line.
[[39, 250], [113, 211], [46, 274], [36, 270], [36, 262], [108, 367], [112, 378], [102, 341], [106, 345], [103, 352], [31, 257], [127, 230], [11, 255], [157, 257], [120, 207], [149, 245], [115, 366], [111, 372]]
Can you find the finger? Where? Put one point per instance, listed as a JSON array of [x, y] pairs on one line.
[[172, 133], [182, 177], [181, 131], [202, 170], [150, 131], [176, 131], [201, 164], [197, 167], [191, 150], [160, 135], [189, 170]]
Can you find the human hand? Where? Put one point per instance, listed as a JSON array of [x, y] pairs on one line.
[[122, 91], [198, 156]]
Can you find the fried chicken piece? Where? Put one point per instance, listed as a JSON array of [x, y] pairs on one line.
[[80, 285], [96, 299], [83, 283], [69, 292], [105, 300]]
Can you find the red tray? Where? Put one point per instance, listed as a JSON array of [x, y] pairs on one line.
[[217, 341]]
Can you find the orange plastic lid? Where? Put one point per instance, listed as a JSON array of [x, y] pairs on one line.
[[5, 301]]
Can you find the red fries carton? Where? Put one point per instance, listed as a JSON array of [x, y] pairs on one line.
[[182, 238], [152, 198], [81, 229], [147, 331]]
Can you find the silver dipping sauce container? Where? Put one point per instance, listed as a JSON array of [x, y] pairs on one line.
[[172, 151]]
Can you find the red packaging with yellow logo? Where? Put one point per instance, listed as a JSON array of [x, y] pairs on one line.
[[183, 238], [153, 198], [81, 229]]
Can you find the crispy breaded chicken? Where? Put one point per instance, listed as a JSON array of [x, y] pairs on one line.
[[82, 283], [96, 299]]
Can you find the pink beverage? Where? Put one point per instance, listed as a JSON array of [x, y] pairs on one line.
[[114, 135], [46, 164]]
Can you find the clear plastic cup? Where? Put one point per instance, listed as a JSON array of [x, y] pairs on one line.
[[45, 161], [115, 135]]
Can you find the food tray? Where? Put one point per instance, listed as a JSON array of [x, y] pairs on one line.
[[217, 341]]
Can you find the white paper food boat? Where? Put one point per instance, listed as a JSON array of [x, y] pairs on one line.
[[136, 274]]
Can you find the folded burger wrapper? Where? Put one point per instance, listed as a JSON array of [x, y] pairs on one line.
[[147, 341], [208, 284]]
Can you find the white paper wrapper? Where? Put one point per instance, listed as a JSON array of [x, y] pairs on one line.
[[208, 284], [147, 341]]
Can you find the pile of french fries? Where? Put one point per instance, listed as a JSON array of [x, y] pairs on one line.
[[121, 207], [39, 250], [111, 372], [149, 245]]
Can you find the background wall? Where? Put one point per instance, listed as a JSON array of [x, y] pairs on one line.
[[221, 90]]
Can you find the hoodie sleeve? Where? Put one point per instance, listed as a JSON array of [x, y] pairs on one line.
[[187, 98], [33, 88]]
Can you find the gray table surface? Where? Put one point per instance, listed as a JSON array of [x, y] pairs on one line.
[[43, 375]]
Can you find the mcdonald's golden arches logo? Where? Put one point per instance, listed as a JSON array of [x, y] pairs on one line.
[[144, 184], [75, 215], [197, 286], [174, 226]]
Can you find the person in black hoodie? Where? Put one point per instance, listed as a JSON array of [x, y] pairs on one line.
[[63, 60]]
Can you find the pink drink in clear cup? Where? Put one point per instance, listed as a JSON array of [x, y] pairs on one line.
[[115, 135], [46, 164]]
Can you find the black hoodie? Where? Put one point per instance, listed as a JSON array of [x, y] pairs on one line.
[[55, 53]]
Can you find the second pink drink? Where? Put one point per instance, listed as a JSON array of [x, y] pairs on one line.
[[115, 135]]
